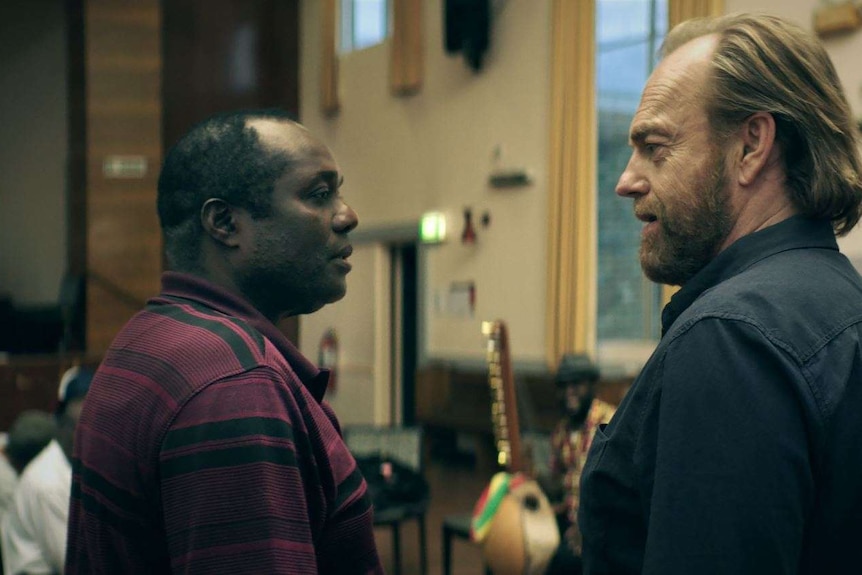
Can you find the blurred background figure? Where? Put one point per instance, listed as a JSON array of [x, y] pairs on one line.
[[570, 441], [29, 434], [33, 530]]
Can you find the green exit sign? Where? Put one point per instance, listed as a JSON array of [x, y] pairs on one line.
[[432, 229]]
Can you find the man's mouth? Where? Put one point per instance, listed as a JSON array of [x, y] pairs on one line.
[[650, 222], [345, 252], [341, 256], [646, 217]]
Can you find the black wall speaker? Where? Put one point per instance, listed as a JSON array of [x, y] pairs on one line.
[[467, 29]]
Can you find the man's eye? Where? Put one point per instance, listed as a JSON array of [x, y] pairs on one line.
[[322, 193], [651, 149]]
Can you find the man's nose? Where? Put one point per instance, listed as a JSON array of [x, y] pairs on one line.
[[345, 219], [632, 182]]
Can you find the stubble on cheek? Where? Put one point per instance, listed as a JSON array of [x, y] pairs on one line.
[[691, 228]]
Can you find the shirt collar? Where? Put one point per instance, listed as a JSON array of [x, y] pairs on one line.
[[793, 233], [191, 287]]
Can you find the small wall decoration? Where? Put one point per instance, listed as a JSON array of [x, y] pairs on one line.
[[837, 19]]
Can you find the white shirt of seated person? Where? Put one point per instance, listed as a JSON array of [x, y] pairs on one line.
[[33, 531]]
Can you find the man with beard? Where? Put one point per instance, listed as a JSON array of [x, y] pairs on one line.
[[205, 445], [570, 442], [737, 448]]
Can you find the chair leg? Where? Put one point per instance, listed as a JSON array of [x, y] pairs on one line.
[[423, 552], [447, 551], [396, 547]]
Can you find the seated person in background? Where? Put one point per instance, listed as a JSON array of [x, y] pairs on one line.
[[33, 532], [570, 442], [29, 434]]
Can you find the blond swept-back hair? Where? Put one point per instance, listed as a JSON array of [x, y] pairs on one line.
[[763, 63]]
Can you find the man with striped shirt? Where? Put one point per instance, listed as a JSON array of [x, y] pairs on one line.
[[205, 445]]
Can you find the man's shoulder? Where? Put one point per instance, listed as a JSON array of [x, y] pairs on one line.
[[193, 322], [170, 352], [800, 272], [190, 336], [8, 481], [48, 472], [788, 294]]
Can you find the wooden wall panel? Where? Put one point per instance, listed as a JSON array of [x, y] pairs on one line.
[[76, 100], [224, 55], [134, 104], [123, 118], [460, 400]]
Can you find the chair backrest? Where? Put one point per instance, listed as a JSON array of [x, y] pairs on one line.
[[403, 444]]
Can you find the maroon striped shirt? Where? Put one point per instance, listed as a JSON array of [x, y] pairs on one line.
[[205, 447]]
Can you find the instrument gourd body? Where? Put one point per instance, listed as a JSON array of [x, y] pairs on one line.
[[523, 535]]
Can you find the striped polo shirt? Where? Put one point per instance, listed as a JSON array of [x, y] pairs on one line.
[[205, 446]]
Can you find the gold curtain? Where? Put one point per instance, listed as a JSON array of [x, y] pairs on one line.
[[329, 103], [679, 11], [406, 56], [572, 230]]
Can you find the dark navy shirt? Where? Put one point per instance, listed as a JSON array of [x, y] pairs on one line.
[[738, 449]]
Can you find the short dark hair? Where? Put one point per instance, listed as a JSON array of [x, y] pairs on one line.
[[576, 368], [29, 434], [221, 157]]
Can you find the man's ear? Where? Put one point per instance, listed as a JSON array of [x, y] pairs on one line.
[[758, 146], [219, 220]]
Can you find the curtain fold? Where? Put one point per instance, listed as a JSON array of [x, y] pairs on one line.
[[572, 230], [680, 10], [329, 102], [406, 68]]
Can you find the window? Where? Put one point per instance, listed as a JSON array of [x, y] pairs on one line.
[[628, 35], [364, 23]]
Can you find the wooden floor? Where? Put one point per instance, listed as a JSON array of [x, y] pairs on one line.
[[454, 489]]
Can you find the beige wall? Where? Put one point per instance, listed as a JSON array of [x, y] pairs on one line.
[[32, 150], [434, 150], [401, 157], [362, 392]]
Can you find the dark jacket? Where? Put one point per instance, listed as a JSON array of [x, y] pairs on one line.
[[738, 449]]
